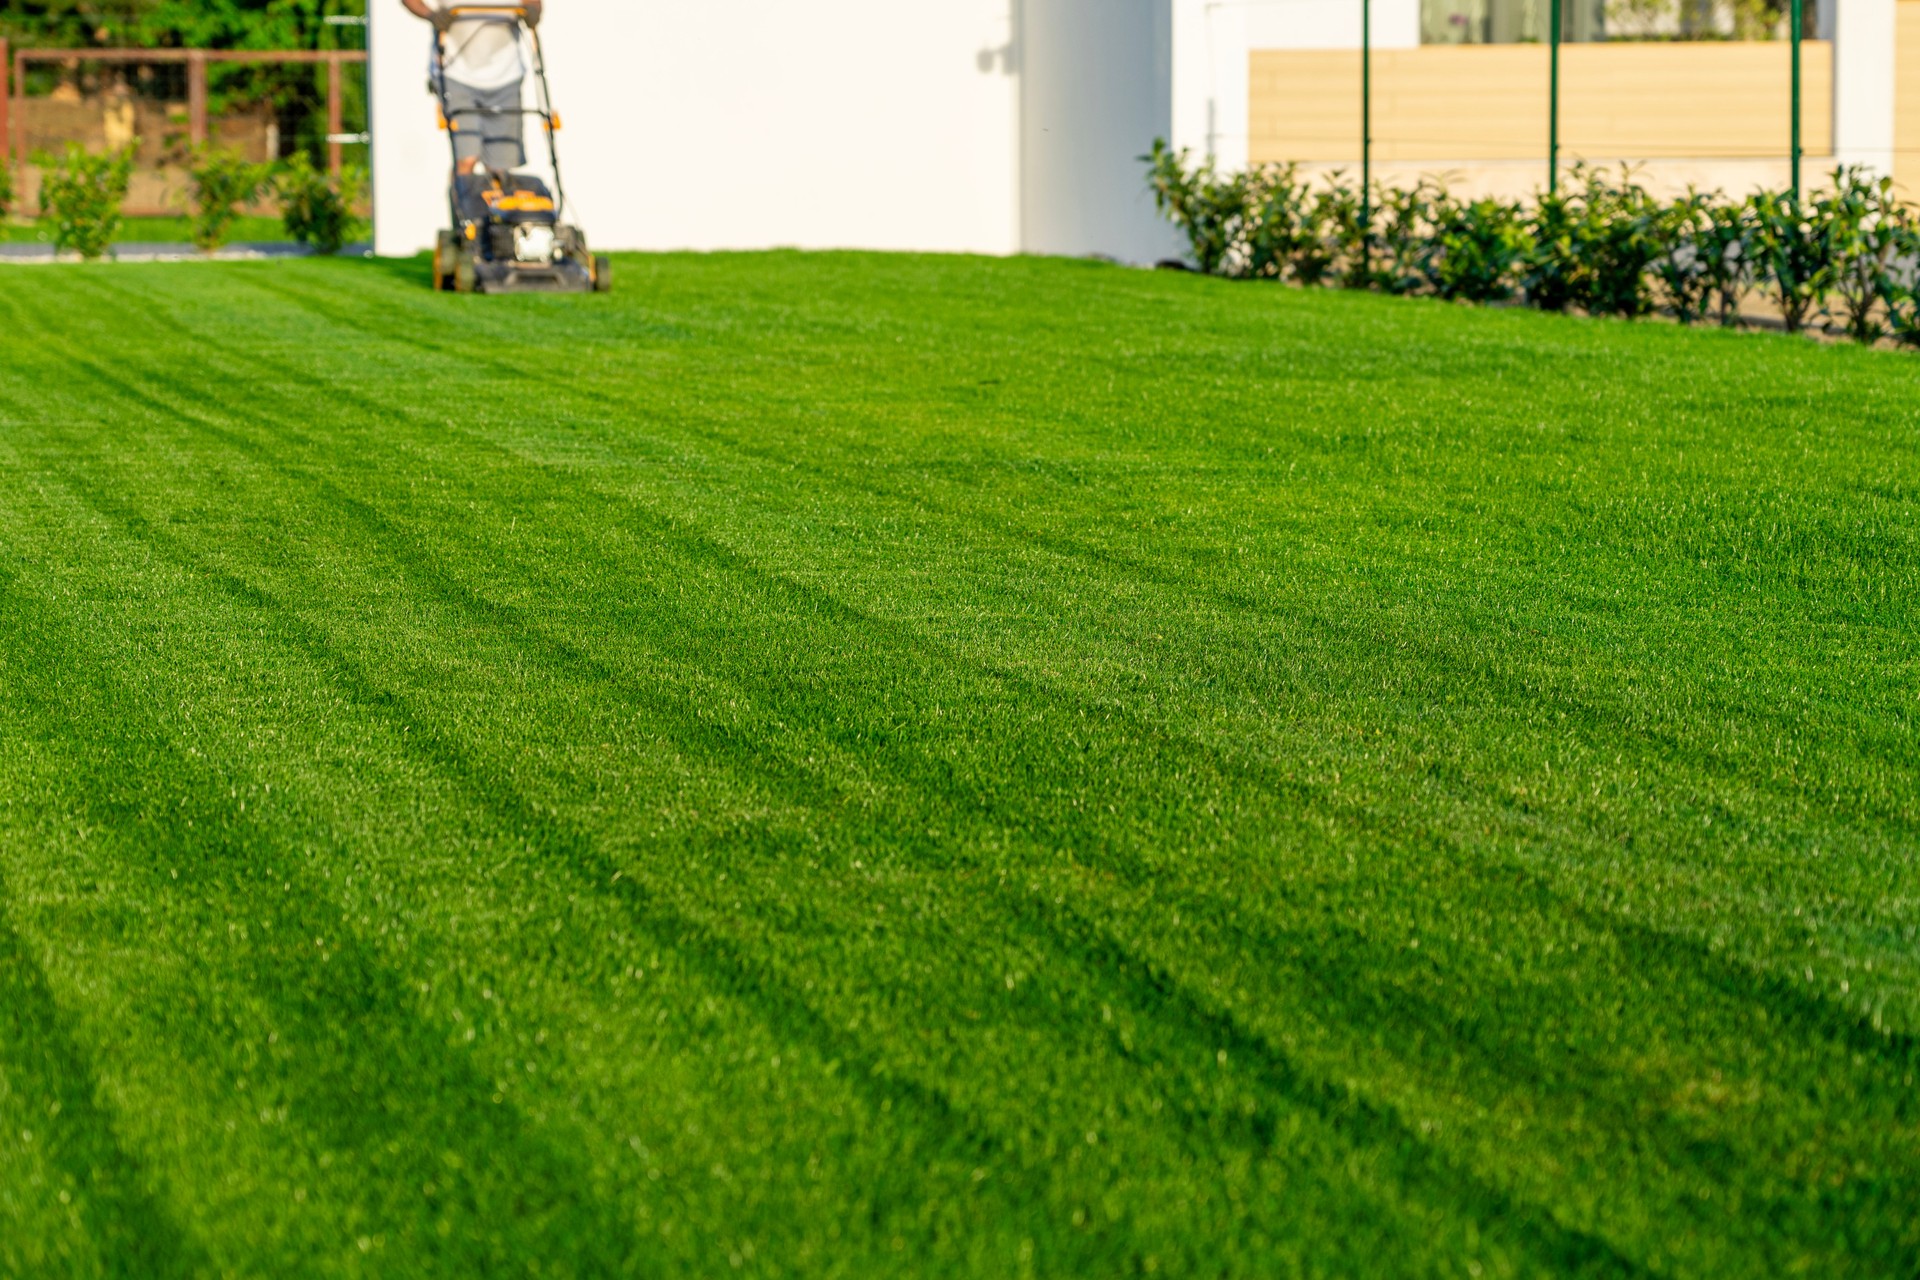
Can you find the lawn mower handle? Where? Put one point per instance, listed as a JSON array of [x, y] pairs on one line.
[[545, 110]]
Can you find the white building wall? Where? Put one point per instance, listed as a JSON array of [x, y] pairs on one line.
[[974, 125], [1096, 90], [1863, 33], [722, 124]]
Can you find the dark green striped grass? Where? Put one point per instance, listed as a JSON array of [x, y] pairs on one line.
[[863, 766]]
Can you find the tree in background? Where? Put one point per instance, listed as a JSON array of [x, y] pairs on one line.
[[1707, 19], [188, 24], [295, 94]]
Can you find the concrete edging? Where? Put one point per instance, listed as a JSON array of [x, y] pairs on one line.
[[46, 255]]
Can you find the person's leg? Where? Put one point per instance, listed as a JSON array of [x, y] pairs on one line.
[[504, 149], [464, 106]]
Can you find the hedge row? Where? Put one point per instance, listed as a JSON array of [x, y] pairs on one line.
[[82, 192], [1845, 258]]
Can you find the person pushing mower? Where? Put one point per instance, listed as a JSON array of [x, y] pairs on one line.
[[481, 71], [507, 233]]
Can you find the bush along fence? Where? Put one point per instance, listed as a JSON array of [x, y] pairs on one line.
[[1847, 259], [83, 192]]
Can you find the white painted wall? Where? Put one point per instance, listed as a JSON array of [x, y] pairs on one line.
[[716, 124], [1096, 90], [1863, 33], [885, 124]]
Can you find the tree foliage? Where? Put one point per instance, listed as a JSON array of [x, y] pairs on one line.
[[83, 191], [296, 93], [202, 24]]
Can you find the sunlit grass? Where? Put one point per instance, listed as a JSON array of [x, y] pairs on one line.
[[850, 765]]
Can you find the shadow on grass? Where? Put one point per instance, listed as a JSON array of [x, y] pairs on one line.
[[50, 1071], [417, 270]]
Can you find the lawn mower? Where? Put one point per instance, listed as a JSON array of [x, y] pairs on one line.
[[509, 233]]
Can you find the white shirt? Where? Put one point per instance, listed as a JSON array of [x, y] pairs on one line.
[[484, 52]]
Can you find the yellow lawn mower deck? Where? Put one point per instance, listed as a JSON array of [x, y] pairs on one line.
[[507, 238]]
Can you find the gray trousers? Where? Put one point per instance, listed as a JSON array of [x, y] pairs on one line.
[[496, 140]]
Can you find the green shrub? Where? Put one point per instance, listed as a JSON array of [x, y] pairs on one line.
[[1586, 248], [1593, 245], [1903, 300], [1280, 223], [1551, 266], [1684, 268], [83, 191], [1865, 228], [1333, 240], [222, 181], [316, 208], [1348, 235], [1211, 210], [1479, 246], [1318, 260], [1726, 255], [1296, 231], [1792, 259], [1402, 241], [1600, 243], [1618, 241]]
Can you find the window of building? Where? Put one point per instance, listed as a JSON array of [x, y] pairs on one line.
[[1525, 21]]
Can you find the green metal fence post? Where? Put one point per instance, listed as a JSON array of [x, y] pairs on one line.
[[1366, 124], [1797, 21], [1553, 96]]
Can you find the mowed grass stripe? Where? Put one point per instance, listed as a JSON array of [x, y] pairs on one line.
[[1694, 957], [76, 1202], [1502, 680], [492, 780], [1443, 1184], [1406, 638], [908, 765], [499, 1157], [338, 1021], [415, 569], [1464, 672]]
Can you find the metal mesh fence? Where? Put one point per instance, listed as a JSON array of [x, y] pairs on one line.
[[1500, 97], [164, 103]]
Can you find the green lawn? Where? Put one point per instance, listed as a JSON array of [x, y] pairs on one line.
[[151, 231], [881, 766]]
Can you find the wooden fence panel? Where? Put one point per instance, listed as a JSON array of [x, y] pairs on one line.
[[1489, 102], [1906, 98]]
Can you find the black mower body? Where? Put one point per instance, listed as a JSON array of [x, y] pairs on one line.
[[507, 237]]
